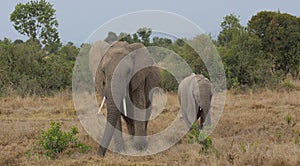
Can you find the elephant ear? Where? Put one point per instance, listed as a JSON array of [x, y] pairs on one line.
[[96, 53], [100, 82]]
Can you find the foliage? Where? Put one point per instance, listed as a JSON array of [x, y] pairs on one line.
[[54, 141], [37, 20], [141, 36], [289, 119], [111, 37], [297, 137], [260, 54], [243, 147], [280, 36], [194, 58], [288, 85], [202, 138], [144, 34], [230, 27], [168, 82], [26, 68], [244, 65]]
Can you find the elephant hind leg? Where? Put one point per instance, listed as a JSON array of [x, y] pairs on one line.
[[140, 142]]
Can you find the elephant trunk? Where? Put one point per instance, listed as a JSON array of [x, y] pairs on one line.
[[112, 116]]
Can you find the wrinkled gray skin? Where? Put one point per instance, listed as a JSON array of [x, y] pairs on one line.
[[194, 94], [138, 89]]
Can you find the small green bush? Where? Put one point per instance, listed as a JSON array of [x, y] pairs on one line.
[[54, 141], [235, 85], [297, 137], [289, 119], [202, 138], [243, 147], [289, 85]]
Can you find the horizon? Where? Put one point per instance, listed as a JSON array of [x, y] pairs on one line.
[[77, 23]]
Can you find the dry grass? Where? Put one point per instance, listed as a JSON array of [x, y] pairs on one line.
[[251, 131]]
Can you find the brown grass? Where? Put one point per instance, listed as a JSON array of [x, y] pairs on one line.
[[252, 131]]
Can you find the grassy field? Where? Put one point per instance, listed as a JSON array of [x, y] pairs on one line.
[[254, 129]]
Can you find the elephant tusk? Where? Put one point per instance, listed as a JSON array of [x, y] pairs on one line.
[[102, 103], [124, 106]]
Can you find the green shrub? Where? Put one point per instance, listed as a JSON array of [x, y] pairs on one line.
[[236, 86], [288, 85], [168, 81], [28, 69], [289, 119], [54, 141], [202, 138], [243, 147], [297, 137]]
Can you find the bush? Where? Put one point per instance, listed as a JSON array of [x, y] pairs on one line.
[[288, 118], [54, 141], [288, 85], [202, 138], [28, 69], [168, 81]]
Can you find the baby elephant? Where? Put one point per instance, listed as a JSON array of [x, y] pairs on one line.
[[194, 94]]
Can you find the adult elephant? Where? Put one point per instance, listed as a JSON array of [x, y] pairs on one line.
[[126, 83], [194, 94]]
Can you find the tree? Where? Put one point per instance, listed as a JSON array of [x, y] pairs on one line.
[[125, 37], [144, 34], [111, 37], [162, 42], [243, 60], [141, 36], [280, 36], [230, 26], [36, 19]]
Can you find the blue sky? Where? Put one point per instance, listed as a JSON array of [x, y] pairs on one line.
[[78, 19]]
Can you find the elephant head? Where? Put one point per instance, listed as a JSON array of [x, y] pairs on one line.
[[126, 83], [194, 94]]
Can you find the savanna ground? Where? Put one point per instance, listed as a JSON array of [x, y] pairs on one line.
[[253, 130]]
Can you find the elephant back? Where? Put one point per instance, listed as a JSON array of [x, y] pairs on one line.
[[118, 50]]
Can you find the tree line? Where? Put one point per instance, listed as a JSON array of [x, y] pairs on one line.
[[259, 55], [262, 53]]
